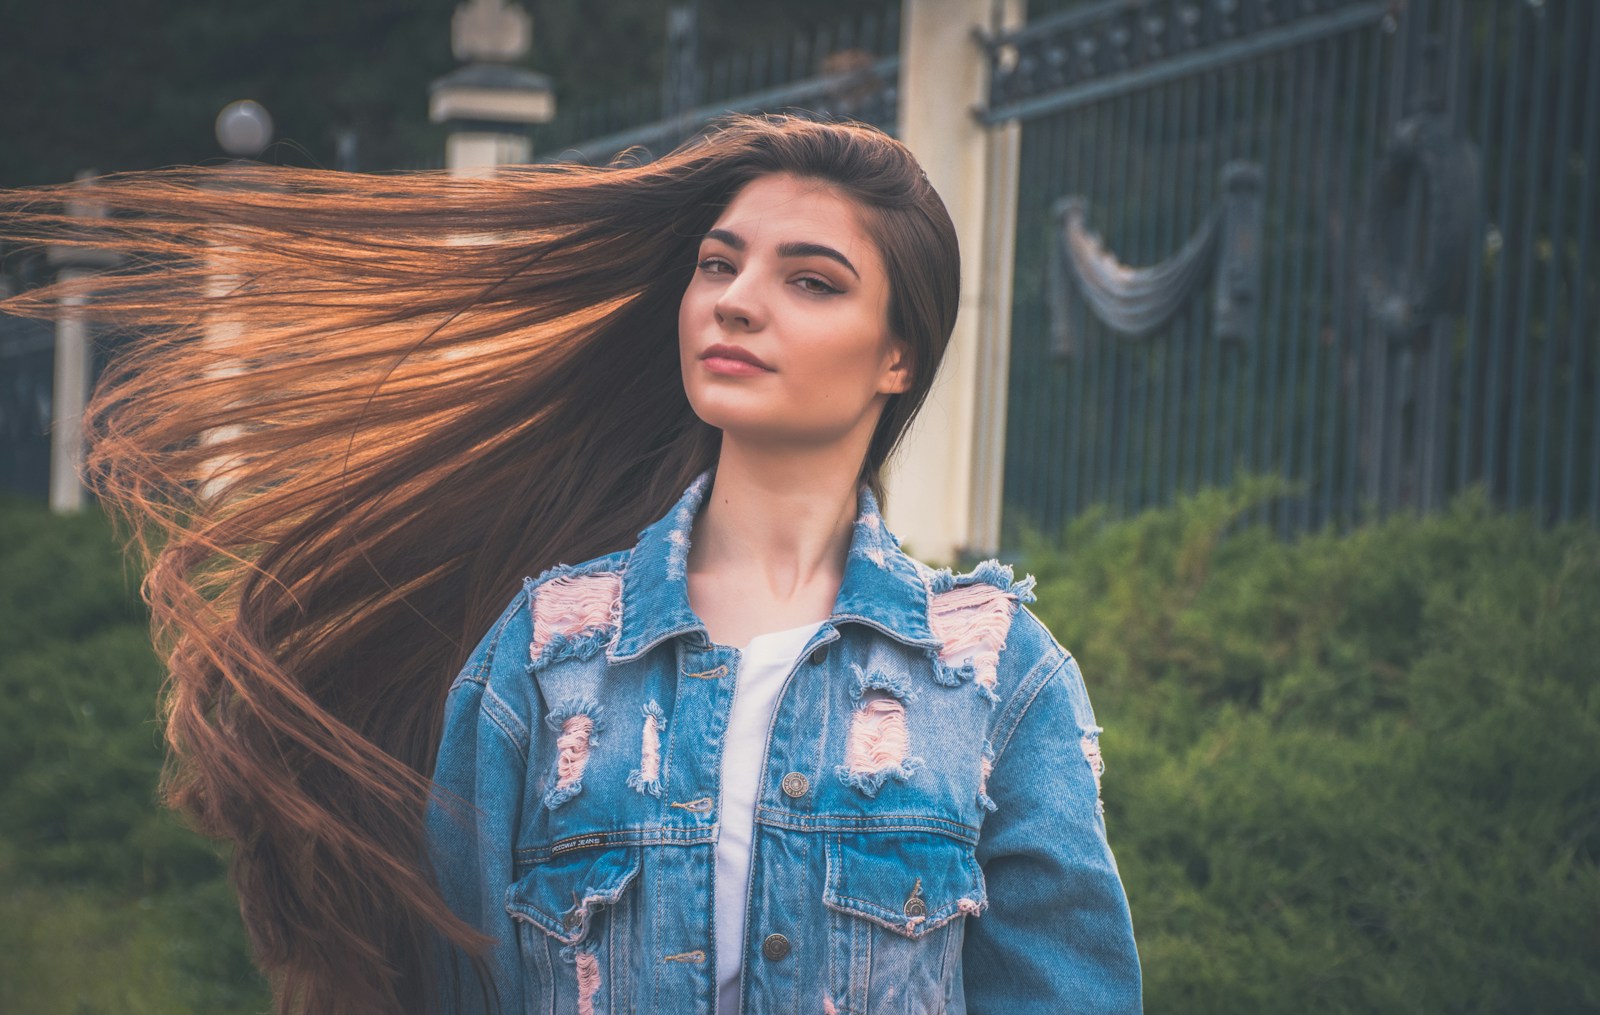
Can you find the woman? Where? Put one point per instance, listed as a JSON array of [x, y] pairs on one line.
[[747, 754]]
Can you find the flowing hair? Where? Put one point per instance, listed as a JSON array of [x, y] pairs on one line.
[[354, 411]]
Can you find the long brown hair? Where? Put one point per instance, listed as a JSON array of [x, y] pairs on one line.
[[356, 410]]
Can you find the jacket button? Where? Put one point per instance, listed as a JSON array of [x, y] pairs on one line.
[[775, 947], [915, 904], [818, 654], [795, 785]]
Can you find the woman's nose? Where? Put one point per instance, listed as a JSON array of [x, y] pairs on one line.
[[740, 307]]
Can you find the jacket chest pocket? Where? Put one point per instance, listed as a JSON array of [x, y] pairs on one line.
[[576, 927], [897, 905]]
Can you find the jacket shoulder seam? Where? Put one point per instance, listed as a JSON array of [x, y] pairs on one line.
[[495, 709], [1019, 704], [478, 669]]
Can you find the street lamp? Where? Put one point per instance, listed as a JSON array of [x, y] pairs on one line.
[[244, 128]]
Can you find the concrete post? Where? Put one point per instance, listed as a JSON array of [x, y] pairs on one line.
[[70, 394], [944, 485], [244, 130], [74, 358], [488, 105]]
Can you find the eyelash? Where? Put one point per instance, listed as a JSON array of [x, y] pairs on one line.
[[827, 289]]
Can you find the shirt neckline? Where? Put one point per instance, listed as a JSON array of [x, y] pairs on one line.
[[783, 637]]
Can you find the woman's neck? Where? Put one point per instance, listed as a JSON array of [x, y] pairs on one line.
[[767, 549]]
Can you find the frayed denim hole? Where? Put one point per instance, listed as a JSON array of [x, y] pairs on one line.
[[550, 573], [876, 680], [878, 745], [577, 723], [985, 769], [873, 554], [871, 782], [561, 647], [574, 615], [972, 622], [683, 524], [557, 717], [647, 777], [1089, 743], [588, 965], [555, 796]]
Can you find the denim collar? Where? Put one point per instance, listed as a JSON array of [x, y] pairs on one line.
[[882, 588]]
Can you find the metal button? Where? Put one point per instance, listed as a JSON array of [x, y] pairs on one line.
[[795, 785], [775, 947], [818, 654], [915, 905]]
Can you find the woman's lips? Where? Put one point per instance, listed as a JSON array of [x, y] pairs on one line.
[[733, 361], [732, 367]]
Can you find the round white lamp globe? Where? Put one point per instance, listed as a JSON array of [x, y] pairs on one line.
[[244, 128]]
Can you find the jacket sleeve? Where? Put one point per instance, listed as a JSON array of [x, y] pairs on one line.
[[477, 807], [1057, 936]]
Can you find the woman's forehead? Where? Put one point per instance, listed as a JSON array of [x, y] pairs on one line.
[[788, 198], [782, 208]]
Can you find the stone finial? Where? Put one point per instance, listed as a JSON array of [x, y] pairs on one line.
[[490, 30]]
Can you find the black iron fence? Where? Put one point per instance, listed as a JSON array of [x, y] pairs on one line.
[[1348, 242], [1382, 217], [848, 69], [27, 361]]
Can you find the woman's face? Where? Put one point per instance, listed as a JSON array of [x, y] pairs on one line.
[[789, 276]]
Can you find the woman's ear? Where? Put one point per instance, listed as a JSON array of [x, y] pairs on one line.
[[897, 373]]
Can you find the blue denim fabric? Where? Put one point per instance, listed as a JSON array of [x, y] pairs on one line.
[[970, 875]]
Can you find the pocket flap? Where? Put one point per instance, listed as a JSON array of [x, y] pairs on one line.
[[910, 884], [561, 894]]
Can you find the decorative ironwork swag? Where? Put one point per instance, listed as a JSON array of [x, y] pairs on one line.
[[1134, 302]]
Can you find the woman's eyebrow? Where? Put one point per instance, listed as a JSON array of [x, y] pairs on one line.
[[795, 249], [816, 250]]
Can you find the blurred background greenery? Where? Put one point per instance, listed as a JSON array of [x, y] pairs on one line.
[[107, 903], [1344, 774]]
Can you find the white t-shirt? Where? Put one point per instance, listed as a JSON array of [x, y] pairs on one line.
[[765, 663]]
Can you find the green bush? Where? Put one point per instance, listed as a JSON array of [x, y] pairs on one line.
[[1345, 774], [1350, 773], [93, 873]]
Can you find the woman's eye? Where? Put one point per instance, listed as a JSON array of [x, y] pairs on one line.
[[714, 265], [816, 286]]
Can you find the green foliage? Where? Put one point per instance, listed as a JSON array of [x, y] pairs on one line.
[[1345, 773], [93, 873]]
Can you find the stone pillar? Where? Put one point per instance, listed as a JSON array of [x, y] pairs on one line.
[[74, 358], [944, 485], [488, 104]]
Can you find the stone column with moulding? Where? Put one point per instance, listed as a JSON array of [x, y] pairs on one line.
[[945, 482], [74, 354], [488, 104]]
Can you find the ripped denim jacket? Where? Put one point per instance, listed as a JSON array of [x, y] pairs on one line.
[[928, 838]]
